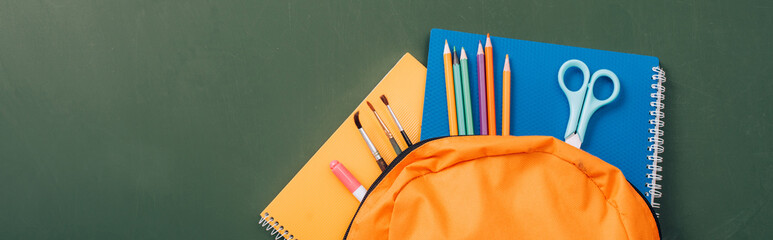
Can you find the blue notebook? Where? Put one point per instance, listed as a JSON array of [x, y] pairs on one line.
[[626, 133]]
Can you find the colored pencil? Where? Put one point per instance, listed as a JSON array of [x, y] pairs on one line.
[[466, 93], [379, 160], [506, 97], [450, 99], [483, 112], [388, 133], [394, 117], [459, 97], [492, 115]]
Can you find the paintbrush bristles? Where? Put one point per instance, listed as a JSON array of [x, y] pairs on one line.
[[357, 119], [384, 99], [370, 106]]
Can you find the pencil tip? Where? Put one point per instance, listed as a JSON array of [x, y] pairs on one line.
[[370, 106], [384, 99], [488, 41], [463, 54], [445, 48], [507, 62], [357, 119]]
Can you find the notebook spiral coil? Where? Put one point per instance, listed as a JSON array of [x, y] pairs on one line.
[[272, 226], [657, 137]]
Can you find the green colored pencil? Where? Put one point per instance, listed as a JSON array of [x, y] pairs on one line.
[[459, 98], [466, 93]]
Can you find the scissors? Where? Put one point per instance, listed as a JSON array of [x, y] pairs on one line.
[[582, 103]]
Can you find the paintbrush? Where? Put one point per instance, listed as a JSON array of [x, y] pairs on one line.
[[381, 164], [402, 131], [386, 130]]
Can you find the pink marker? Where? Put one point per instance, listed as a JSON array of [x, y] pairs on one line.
[[348, 180]]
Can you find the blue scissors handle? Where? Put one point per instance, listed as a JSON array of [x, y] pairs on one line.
[[575, 98], [592, 103], [583, 103]]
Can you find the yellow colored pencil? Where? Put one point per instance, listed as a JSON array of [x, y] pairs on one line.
[[492, 115], [450, 94], [506, 97]]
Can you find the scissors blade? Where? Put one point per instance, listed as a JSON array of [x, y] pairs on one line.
[[574, 140]]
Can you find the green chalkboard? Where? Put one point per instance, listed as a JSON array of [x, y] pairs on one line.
[[182, 119]]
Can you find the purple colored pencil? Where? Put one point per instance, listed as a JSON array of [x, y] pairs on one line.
[[482, 91]]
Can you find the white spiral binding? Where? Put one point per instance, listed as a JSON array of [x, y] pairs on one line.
[[272, 226], [657, 137]]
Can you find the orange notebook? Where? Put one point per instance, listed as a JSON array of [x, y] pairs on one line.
[[314, 204]]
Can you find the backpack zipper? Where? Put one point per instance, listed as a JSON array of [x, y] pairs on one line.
[[652, 210]]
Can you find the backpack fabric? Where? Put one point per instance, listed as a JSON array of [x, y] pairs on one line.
[[501, 187]]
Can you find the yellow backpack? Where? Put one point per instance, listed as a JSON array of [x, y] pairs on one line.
[[501, 187]]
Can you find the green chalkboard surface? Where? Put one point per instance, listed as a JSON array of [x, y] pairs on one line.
[[182, 119]]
